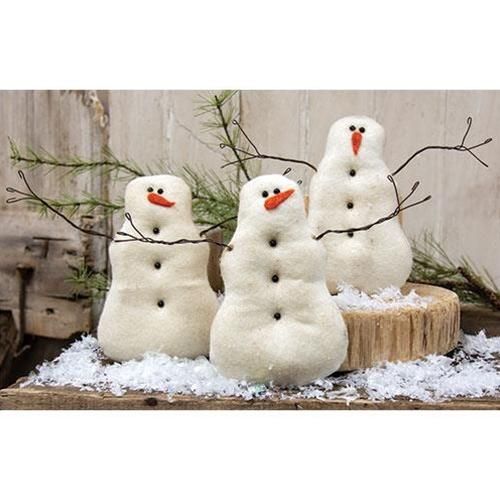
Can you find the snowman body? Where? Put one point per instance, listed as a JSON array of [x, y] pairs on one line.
[[160, 299], [351, 189], [277, 322]]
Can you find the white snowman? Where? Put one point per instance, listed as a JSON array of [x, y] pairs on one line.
[[277, 322], [160, 299], [351, 189]]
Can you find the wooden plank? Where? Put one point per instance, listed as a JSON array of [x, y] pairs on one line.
[[413, 119], [474, 318], [50, 249], [65, 125], [274, 121], [47, 398], [471, 210], [9, 343]]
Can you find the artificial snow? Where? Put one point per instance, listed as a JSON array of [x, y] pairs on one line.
[[350, 298], [471, 371]]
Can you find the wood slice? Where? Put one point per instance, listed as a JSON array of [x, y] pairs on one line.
[[403, 334]]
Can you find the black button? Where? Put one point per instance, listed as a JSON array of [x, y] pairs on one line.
[[157, 265], [275, 278], [352, 128], [161, 303], [276, 191], [350, 234], [277, 316], [150, 189], [273, 243], [352, 173], [362, 130], [350, 205], [265, 194], [160, 191], [156, 230]]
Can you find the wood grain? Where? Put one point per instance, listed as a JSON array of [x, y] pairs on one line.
[[50, 250], [474, 318], [403, 334], [47, 398]]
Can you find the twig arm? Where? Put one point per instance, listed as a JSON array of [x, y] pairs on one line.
[[459, 147]]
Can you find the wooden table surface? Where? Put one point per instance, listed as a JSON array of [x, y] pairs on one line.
[[68, 398]]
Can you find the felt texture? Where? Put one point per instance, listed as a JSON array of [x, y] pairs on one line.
[[160, 299], [276, 270], [351, 189]]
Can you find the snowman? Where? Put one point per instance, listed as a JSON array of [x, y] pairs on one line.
[[350, 189], [277, 322], [160, 299]]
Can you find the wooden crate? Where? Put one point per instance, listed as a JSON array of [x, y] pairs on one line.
[[51, 398]]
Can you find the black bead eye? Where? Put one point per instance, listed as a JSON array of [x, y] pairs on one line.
[[277, 316], [265, 194], [150, 189], [350, 234], [160, 191], [161, 303], [156, 230], [352, 128], [276, 191], [362, 129]]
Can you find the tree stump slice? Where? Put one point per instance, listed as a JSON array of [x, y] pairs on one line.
[[403, 334]]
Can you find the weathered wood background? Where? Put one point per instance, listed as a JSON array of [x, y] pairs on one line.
[[161, 126]]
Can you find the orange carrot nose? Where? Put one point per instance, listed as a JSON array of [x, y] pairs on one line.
[[356, 139], [156, 199], [276, 200]]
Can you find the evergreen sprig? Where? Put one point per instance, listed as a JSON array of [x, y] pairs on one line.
[[87, 205], [74, 165], [88, 283], [214, 200], [219, 112], [432, 266]]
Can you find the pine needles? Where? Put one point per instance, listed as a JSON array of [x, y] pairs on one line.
[[432, 266], [74, 165], [89, 283], [214, 200]]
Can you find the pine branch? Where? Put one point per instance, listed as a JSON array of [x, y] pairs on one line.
[[220, 112], [70, 206], [74, 165], [31, 196], [432, 266], [256, 154], [89, 283], [214, 200]]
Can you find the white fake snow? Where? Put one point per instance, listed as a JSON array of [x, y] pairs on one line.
[[472, 371], [350, 298]]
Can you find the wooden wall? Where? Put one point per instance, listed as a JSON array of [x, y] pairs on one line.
[[161, 127]]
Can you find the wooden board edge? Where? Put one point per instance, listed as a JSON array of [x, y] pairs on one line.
[[47, 398]]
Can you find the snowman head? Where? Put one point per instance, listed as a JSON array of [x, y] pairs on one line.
[[270, 198], [356, 136], [158, 197]]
